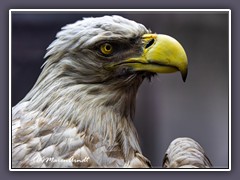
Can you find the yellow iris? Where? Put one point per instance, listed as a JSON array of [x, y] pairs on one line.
[[106, 49]]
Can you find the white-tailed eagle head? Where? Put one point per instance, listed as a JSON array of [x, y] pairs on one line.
[[112, 49]]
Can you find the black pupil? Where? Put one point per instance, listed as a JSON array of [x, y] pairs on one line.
[[108, 47], [150, 43]]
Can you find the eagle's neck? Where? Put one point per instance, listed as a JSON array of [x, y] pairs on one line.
[[101, 109]]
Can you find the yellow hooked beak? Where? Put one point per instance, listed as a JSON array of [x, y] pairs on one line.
[[161, 54]]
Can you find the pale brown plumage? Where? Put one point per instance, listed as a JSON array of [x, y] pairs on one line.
[[40, 144], [76, 109], [79, 113], [185, 153]]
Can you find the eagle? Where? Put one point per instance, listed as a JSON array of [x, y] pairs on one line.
[[79, 113]]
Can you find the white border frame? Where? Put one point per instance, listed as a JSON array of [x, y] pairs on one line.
[[118, 10]]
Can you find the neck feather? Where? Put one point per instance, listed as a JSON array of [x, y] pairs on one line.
[[105, 109]]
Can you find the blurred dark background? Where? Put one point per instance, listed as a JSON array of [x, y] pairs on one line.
[[167, 108]]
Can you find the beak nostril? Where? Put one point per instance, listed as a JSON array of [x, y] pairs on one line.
[[149, 43]]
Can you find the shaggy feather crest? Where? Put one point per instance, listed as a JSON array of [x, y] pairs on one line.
[[91, 30]]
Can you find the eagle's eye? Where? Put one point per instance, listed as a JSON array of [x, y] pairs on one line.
[[106, 49]]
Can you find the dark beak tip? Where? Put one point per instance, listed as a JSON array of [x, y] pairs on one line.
[[184, 75], [184, 79]]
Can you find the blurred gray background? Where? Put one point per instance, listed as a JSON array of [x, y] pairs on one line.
[[167, 107]]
